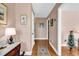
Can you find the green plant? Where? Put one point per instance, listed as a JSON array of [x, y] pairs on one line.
[[71, 43]]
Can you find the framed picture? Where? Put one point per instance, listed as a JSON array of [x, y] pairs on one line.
[[3, 14], [23, 20], [42, 25], [51, 22]]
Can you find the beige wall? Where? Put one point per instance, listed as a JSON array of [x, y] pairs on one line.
[[10, 19], [70, 21], [37, 28], [53, 30], [24, 32]]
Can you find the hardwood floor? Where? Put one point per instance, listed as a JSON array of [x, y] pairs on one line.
[[42, 43], [65, 52]]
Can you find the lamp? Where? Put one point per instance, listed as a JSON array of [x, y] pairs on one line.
[[10, 32]]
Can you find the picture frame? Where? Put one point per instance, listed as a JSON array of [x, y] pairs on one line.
[[42, 25], [51, 22], [23, 19], [3, 14]]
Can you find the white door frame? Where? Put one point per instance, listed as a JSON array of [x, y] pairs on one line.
[[59, 29]]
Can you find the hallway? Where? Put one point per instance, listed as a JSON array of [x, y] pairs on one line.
[[42, 44]]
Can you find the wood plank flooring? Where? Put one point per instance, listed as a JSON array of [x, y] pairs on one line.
[[65, 51], [42, 43]]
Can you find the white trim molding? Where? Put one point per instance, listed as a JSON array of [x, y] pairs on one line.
[[53, 48], [59, 30], [28, 53], [41, 38], [67, 45], [63, 44]]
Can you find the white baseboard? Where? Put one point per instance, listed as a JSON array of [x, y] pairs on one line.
[[53, 48], [28, 53], [41, 38], [66, 45]]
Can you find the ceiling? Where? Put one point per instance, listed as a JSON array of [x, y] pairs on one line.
[[42, 9], [70, 7]]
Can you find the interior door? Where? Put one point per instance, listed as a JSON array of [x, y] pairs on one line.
[[42, 30]]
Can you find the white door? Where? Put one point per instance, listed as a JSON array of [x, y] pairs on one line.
[[42, 30]]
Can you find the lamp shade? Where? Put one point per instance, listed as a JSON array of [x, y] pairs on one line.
[[10, 31]]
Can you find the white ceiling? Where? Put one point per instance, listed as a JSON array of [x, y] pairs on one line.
[[70, 7], [42, 9]]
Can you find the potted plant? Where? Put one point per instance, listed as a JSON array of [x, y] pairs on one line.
[[71, 43]]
